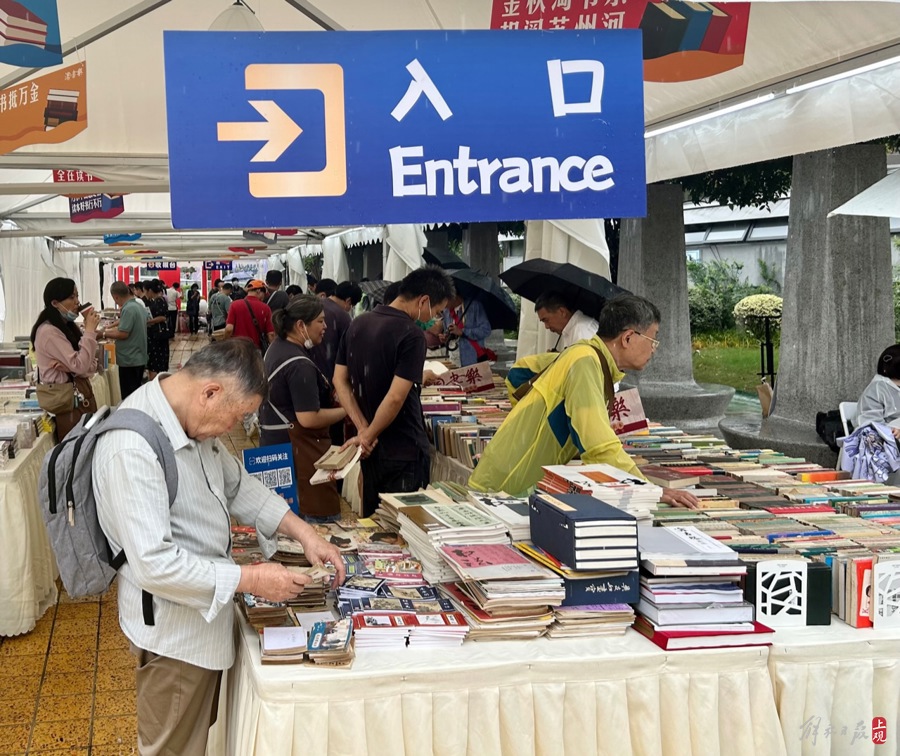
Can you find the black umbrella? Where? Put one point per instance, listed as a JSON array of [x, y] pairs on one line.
[[374, 291], [443, 257], [498, 305], [582, 290]]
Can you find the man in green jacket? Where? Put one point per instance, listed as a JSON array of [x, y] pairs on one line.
[[564, 413]]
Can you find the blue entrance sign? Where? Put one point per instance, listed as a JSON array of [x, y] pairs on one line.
[[348, 128]]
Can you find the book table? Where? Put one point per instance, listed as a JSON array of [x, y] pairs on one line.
[[829, 685], [577, 696], [27, 567]]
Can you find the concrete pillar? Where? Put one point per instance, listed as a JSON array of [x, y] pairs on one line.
[[481, 250], [652, 264], [838, 308]]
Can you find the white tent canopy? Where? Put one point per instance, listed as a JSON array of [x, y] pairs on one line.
[[775, 104], [882, 200]]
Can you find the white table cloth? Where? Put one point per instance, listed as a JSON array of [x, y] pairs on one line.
[[27, 567], [613, 696], [830, 682]]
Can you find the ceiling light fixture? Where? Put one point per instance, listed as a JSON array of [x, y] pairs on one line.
[[239, 17], [709, 115]]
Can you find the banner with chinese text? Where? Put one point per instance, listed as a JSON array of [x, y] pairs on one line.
[[47, 110], [90, 206], [682, 40], [627, 413], [472, 378], [29, 33]]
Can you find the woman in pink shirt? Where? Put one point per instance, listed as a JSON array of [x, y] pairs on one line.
[[65, 354]]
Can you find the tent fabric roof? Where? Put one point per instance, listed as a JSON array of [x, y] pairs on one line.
[[788, 43]]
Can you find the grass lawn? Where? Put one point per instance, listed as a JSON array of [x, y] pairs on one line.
[[735, 366]]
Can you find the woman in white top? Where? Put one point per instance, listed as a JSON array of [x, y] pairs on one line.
[[880, 401]]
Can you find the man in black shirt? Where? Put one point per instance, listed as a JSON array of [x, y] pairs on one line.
[[277, 299], [377, 376]]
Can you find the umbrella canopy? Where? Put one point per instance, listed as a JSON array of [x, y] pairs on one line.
[[583, 291], [443, 257], [498, 305], [374, 292]]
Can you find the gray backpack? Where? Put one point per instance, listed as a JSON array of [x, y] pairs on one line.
[[86, 563]]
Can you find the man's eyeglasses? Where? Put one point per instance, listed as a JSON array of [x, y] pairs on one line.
[[654, 343]]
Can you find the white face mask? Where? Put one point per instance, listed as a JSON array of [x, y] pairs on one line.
[[309, 342]]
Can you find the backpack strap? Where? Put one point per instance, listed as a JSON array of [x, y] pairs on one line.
[[140, 422], [286, 424], [262, 337], [608, 384]]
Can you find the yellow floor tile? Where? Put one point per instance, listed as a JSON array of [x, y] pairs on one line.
[[115, 703], [116, 678], [14, 738], [71, 733], [16, 711], [115, 657], [113, 750], [115, 731], [73, 644], [27, 665], [19, 687], [113, 640], [67, 684], [62, 663], [78, 611], [75, 627], [24, 644], [55, 708]]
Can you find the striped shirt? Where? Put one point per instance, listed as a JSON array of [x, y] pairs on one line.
[[181, 555]]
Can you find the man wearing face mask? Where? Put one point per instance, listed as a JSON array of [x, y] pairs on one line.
[[378, 371]]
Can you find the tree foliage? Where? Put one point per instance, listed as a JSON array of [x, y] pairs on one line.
[[754, 185]]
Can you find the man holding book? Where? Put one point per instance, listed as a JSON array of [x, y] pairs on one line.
[[564, 414], [177, 585]]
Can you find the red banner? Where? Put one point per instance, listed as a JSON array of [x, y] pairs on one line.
[[682, 40]]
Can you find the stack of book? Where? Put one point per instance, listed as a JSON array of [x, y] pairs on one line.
[[690, 592], [501, 592], [399, 630], [593, 547], [427, 527], [597, 619], [331, 643], [605, 482], [282, 645], [261, 613], [19, 25], [390, 504], [511, 511]]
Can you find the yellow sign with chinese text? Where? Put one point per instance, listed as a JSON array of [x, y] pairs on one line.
[[47, 110]]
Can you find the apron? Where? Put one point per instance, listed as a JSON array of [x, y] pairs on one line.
[[308, 445]]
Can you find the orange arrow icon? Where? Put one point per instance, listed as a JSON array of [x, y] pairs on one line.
[[278, 131]]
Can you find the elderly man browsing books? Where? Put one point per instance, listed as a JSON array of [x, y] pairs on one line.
[[565, 411]]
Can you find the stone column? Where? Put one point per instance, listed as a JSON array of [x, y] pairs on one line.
[[838, 308], [652, 264]]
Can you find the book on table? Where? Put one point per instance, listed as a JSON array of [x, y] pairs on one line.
[[583, 532], [688, 638], [709, 613]]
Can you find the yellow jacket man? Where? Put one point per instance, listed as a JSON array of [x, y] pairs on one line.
[[564, 414]]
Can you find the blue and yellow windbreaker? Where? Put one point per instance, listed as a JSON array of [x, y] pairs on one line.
[[564, 414]]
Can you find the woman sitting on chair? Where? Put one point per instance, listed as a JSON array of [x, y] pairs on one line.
[[880, 401]]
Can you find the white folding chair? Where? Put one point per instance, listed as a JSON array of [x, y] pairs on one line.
[[849, 413]]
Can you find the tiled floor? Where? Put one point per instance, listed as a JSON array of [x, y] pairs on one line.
[[67, 687]]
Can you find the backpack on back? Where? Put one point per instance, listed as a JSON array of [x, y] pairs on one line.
[[86, 563]]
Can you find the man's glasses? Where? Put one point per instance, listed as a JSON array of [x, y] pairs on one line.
[[654, 343]]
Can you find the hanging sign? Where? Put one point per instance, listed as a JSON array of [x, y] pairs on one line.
[[162, 265], [223, 265], [47, 110], [682, 41], [89, 206], [29, 33], [356, 128]]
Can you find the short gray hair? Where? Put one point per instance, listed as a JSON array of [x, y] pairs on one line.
[[626, 311], [119, 289], [238, 359]]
